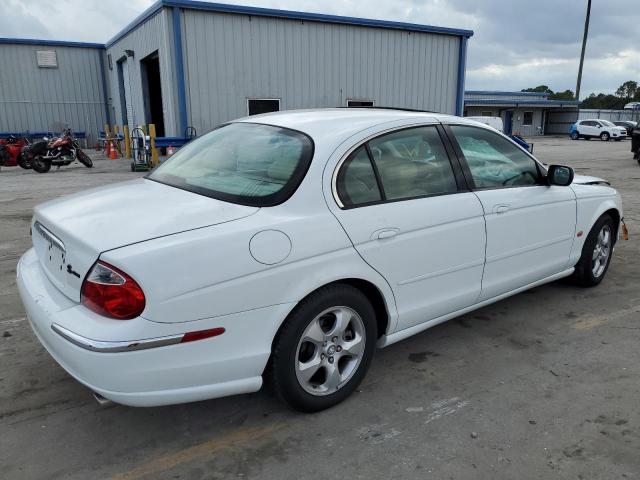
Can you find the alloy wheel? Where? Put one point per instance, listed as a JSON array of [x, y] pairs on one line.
[[330, 350], [601, 252]]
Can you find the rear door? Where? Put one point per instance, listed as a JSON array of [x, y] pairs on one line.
[[404, 204], [530, 225]]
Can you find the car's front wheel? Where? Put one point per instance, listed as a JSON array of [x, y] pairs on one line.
[[324, 348], [596, 253], [605, 137]]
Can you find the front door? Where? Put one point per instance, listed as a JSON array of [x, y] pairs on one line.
[[405, 207], [530, 225]]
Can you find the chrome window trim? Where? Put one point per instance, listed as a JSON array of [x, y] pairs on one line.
[[334, 176], [114, 347]]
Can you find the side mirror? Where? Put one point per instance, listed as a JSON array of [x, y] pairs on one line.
[[560, 175]]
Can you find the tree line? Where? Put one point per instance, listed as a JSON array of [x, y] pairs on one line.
[[629, 91]]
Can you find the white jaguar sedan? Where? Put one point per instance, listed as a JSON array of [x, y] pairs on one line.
[[300, 241]]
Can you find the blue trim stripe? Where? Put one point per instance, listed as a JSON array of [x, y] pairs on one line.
[[462, 67], [177, 42], [506, 94], [50, 43], [136, 22], [318, 17]]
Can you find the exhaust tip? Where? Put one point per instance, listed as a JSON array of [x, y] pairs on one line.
[[102, 402]]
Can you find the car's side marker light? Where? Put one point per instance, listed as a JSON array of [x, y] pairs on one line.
[[202, 334]]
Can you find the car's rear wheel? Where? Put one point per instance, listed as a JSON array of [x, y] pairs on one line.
[[575, 136], [324, 348], [605, 137], [596, 253]]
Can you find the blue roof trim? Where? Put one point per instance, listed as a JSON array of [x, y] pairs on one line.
[[136, 22], [271, 12], [483, 101], [506, 94], [50, 43], [318, 17]]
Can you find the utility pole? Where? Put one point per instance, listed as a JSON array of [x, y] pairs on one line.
[[584, 46]]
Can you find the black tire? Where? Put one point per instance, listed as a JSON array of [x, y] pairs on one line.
[[84, 159], [574, 136], [584, 275], [23, 162], [605, 137], [285, 356], [40, 165]]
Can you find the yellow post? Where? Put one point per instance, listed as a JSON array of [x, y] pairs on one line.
[[154, 150], [127, 141]]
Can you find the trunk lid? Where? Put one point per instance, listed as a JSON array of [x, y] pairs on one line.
[[70, 233]]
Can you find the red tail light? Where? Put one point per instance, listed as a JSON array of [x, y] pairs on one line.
[[111, 292]]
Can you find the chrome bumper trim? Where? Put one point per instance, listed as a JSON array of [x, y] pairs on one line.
[[114, 347]]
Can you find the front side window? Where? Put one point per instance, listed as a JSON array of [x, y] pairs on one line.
[[494, 161], [413, 163], [246, 163]]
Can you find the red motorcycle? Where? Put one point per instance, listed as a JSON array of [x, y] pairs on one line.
[[57, 151], [10, 149]]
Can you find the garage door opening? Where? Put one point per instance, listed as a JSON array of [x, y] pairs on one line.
[[152, 92]]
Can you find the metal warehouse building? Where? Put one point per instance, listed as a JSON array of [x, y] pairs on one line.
[[526, 113], [194, 64]]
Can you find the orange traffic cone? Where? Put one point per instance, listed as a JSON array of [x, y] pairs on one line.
[[108, 148], [170, 150], [113, 154]]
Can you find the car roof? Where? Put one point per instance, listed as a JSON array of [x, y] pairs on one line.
[[340, 123]]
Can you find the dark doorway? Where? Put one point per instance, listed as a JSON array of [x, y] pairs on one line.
[[152, 92], [121, 90], [257, 106], [508, 122]]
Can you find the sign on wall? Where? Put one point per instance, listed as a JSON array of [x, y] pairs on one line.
[[47, 58]]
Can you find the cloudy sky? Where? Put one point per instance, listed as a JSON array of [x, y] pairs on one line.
[[517, 43]]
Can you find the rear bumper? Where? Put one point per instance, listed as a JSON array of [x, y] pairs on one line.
[[176, 373]]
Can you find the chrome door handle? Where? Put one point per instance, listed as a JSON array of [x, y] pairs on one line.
[[388, 233], [500, 209]]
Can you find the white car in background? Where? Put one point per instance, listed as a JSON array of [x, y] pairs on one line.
[[597, 128], [301, 241]]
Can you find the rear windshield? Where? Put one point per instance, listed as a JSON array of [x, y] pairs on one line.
[[246, 163]]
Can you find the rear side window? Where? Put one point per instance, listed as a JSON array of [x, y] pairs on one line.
[[494, 161], [247, 163], [356, 182], [413, 163]]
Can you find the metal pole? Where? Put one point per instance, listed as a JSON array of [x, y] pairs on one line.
[[584, 46]]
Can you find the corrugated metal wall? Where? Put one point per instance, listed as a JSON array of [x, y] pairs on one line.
[[230, 57], [611, 115], [154, 34], [34, 99]]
